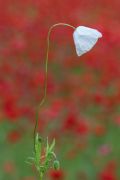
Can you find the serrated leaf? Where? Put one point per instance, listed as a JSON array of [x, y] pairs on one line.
[[31, 158], [47, 148], [27, 162], [52, 145], [54, 155]]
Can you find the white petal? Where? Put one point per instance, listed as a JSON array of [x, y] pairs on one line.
[[82, 30], [85, 38]]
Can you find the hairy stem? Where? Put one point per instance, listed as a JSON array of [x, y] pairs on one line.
[[41, 176], [46, 74]]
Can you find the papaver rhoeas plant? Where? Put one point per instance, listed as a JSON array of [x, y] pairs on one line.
[[84, 38]]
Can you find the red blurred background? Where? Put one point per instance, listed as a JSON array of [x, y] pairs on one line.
[[83, 99]]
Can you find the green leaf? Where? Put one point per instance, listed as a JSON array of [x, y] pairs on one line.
[[52, 145], [47, 148]]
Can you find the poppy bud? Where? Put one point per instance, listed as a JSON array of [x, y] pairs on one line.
[[56, 165]]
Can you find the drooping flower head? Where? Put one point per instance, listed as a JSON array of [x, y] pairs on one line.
[[85, 38]]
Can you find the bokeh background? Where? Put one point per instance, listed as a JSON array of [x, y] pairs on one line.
[[82, 110]]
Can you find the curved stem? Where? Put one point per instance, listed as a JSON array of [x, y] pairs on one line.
[[46, 73]]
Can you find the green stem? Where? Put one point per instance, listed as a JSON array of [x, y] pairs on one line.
[[46, 73], [41, 176]]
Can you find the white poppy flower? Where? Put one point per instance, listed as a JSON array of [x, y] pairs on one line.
[[85, 38]]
